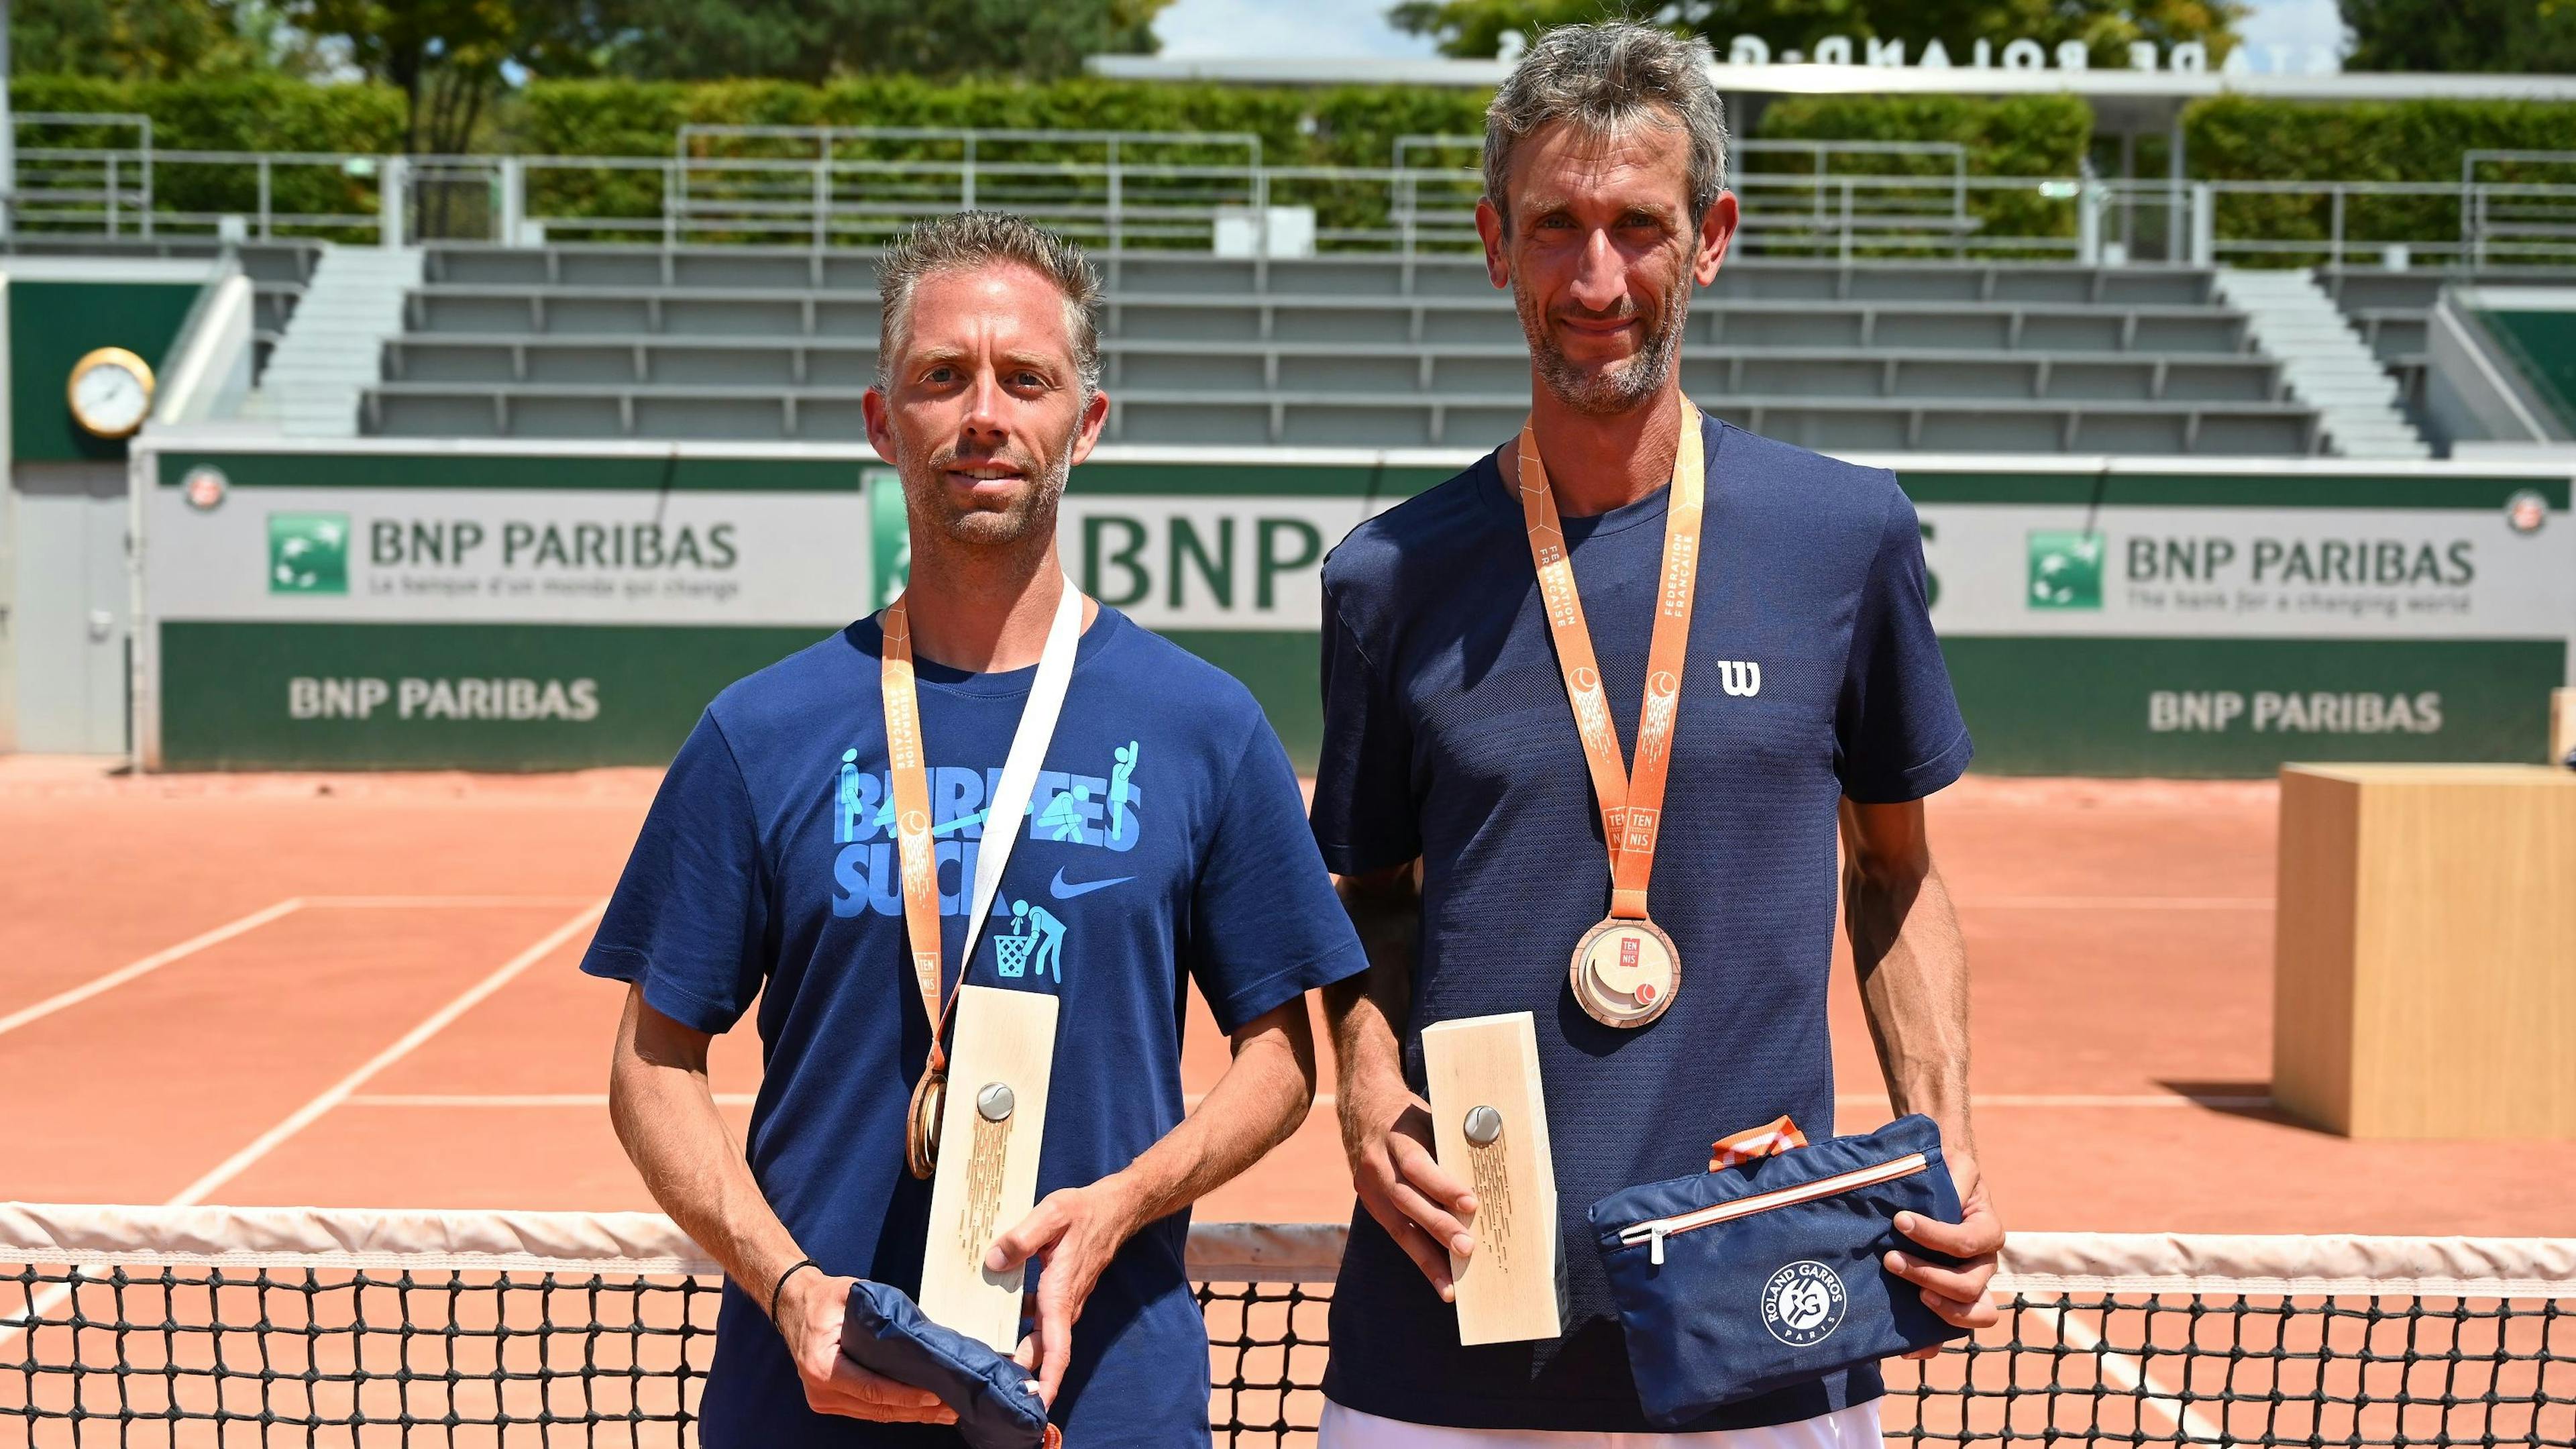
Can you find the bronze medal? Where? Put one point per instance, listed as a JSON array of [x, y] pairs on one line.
[[921, 1127], [1625, 973]]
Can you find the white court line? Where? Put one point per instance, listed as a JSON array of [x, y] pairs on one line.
[[360, 903], [2127, 1372], [135, 970], [2113, 903], [340, 1091], [512, 1099], [2081, 1099], [42, 1305]]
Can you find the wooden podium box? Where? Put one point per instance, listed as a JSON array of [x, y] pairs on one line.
[[2424, 954]]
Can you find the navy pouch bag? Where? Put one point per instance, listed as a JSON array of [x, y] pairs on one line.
[[1738, 1282], [996, 1400]]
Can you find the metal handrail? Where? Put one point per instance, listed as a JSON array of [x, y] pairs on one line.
[[1127, 201]]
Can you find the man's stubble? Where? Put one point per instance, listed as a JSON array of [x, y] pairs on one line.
[[1622, 386], [1033, 514]]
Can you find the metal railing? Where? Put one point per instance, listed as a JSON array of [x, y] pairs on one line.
[[1165, 192], [111, 185]]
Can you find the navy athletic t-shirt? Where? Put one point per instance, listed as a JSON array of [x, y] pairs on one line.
[[1813, 674], [1165, 839]]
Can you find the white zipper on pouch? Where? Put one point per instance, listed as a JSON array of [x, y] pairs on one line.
[[1653, 1232]]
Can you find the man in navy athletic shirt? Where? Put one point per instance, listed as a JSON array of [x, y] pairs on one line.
[[1165, 835], [1456, 800]]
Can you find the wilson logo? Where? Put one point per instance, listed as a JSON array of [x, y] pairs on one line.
[[1741, 677]]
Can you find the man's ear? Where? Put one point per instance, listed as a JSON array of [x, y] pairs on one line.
[[1095, 416], [1489, 226], [873, 406], [1716, 230]]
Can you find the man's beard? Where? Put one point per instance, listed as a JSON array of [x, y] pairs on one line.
[[1032, 512], [1621, 386]]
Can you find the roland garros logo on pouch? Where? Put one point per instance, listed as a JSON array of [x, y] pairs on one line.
[[1802, 1304]]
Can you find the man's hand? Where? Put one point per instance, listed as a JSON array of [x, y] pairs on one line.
[[810, 1309], [1075, 1231], [1386, 1133], [1957, 1294]]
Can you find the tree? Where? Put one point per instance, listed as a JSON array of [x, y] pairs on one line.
[[443, 55], [813, 40], [135, 39], [1476, 27], [2462, 35]]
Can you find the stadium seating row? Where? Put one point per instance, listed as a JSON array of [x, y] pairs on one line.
[[1370, 350], [1299, 419], [1353, 275], [1430, 370]]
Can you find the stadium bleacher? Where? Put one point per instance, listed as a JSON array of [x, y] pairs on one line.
[[2390, 308], [738, 342]]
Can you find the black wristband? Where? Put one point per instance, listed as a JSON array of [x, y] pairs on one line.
[[781, 1285]]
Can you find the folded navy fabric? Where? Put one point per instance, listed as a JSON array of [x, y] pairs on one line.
[[1769, 1273], [996, 1400]]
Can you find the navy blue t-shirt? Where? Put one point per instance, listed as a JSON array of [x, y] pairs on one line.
[[1165, 839], [1813, 675]]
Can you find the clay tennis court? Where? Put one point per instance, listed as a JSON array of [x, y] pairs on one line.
[[359, 990]]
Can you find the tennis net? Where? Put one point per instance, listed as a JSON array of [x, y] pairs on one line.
[[219, 1326]]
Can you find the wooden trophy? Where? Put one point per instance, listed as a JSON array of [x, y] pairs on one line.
[[2562, 727], [1489, 1125], [990, 1132]]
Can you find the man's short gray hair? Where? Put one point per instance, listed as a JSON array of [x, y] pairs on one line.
[[965, 240], [1606, 78]]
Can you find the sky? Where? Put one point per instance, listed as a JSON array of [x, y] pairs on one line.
[[1314, 29]]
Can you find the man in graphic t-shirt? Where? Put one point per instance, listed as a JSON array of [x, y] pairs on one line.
[[1781, 684], [770, 868]]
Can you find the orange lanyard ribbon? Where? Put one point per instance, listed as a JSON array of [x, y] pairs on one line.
[[1631, 807], [914, 848]]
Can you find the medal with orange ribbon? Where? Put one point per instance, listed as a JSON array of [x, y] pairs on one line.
[[1625, 970], [915, 850]]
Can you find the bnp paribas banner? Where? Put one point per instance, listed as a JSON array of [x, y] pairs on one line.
[[368, 605], [2226, 638]]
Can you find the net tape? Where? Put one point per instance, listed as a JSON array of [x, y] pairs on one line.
[[650, 1244], [220, 1325]]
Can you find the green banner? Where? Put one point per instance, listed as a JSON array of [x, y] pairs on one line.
[[2219, 707], [445, 696]]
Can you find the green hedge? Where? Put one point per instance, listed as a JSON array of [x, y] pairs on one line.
[[2238, 139], [263, 113], [2044, 135], [272, 114], [1350, 125], [1344, 126]]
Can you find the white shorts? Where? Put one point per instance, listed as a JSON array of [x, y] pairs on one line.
[[1852, 1428]]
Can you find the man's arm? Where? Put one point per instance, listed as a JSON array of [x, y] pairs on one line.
[[1075, 1231], [1386, 1129], [666, 1117], [1914, 989]]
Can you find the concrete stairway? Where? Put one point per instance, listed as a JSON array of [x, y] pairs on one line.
[[2325, 362], [334, 344]]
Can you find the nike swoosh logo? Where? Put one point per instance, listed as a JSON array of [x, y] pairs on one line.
[[1063, 892]]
